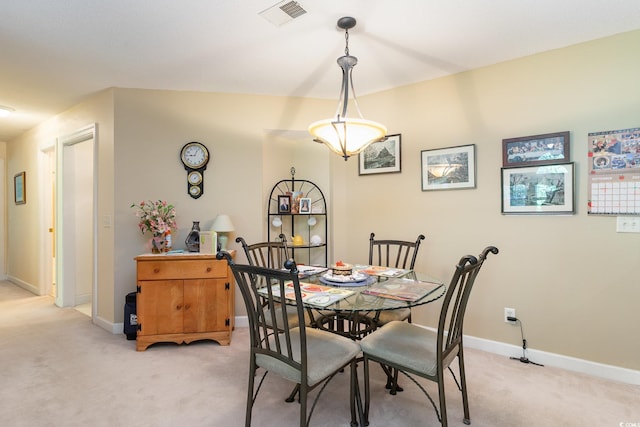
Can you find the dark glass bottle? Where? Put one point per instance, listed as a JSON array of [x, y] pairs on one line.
[[193, 239]]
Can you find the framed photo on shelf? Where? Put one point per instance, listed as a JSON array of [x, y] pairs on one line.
[[536, 150], [294, 199], [546, 189], [305, 205], [19, 188], [284, 204], [449, 168], [380, 157]]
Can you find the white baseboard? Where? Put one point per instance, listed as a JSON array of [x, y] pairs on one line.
[[574, 364], [24, 285], [242, 321], [114, 328], [82, 299]]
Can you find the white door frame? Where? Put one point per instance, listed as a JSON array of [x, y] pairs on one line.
[[47, 215], [65, 296]]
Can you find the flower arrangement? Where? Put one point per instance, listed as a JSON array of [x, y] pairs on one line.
[[156, 217]]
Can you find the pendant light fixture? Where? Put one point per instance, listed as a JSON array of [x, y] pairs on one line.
[[344, 135], [5, 111]]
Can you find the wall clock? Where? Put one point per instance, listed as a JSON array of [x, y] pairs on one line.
[[194, 157]]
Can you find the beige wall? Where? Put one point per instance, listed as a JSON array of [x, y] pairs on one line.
[[6, 195], [570, 278], [248, 154]]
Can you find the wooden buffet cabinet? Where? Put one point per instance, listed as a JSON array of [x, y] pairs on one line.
[[183, 298]]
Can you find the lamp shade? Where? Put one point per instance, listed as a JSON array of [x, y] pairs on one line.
[[347, 136], [222, 223], [5, 111]]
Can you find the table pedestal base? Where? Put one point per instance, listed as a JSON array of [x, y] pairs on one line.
[[352, 325]]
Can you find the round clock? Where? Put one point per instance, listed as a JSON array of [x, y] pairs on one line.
[[194, 155], [194, 191], [194, 177]]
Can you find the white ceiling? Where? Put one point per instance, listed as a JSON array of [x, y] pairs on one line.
[[53, 54]]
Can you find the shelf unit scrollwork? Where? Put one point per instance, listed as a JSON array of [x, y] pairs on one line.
[[310, 226]]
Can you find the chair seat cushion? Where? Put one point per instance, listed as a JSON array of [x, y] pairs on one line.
[[292, 317], [387, 316], [404, 344], [326, 353]]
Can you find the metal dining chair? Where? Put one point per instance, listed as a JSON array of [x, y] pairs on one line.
[[266, 254], [305, 356], [274, 255], [270, 255], [417, 351], [396, 254]]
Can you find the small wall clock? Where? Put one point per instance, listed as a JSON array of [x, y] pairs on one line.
[[194, 157]]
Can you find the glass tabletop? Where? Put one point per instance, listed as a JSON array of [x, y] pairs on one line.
[[375, 293]]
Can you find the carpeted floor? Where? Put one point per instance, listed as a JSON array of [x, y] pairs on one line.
[[58, 369]]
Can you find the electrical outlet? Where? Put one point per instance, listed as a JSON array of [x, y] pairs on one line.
[[509, 312], [628, 224]]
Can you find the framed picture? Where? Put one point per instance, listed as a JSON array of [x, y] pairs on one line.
[[546, 189], [294, 199], [449, 168], [536, 150], [305, 205], [19, 188], [284, 204], [380, 157]]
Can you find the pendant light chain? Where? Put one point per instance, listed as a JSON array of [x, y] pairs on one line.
[[346, 42], [350, 78]]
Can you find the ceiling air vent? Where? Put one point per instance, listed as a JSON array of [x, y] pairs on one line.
[[283, 12]]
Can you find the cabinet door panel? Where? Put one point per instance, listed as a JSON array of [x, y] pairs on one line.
[[205, 305], [160, 310]]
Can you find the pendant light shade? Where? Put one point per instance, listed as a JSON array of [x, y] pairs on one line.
[[344, 135], [5, 111]]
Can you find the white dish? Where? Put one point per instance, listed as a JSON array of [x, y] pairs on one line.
[[369, 280], [356, 276]]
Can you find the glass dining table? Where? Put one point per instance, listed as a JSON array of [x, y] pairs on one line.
[[350, 305]]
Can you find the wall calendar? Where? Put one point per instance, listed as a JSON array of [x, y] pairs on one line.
[[614, 172]]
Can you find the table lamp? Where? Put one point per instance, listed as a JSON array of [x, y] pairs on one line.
[[222, 225]]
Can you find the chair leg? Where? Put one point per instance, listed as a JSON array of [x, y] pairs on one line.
[[463, 386], [292, 396], [443, 403], [367, 392], [392, 379], [355, 399], [395, 388], [303, 406], [252, 376]]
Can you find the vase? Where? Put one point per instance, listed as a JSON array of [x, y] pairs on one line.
[[157, 243], [193, 238]]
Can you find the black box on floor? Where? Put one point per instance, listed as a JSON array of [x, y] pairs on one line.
[[130, 316]]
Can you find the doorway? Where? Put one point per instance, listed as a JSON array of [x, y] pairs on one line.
[[76, 221]]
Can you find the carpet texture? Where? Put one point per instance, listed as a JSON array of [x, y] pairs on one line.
[[58, 369]]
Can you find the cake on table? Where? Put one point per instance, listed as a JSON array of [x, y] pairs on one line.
[[342, 269]]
